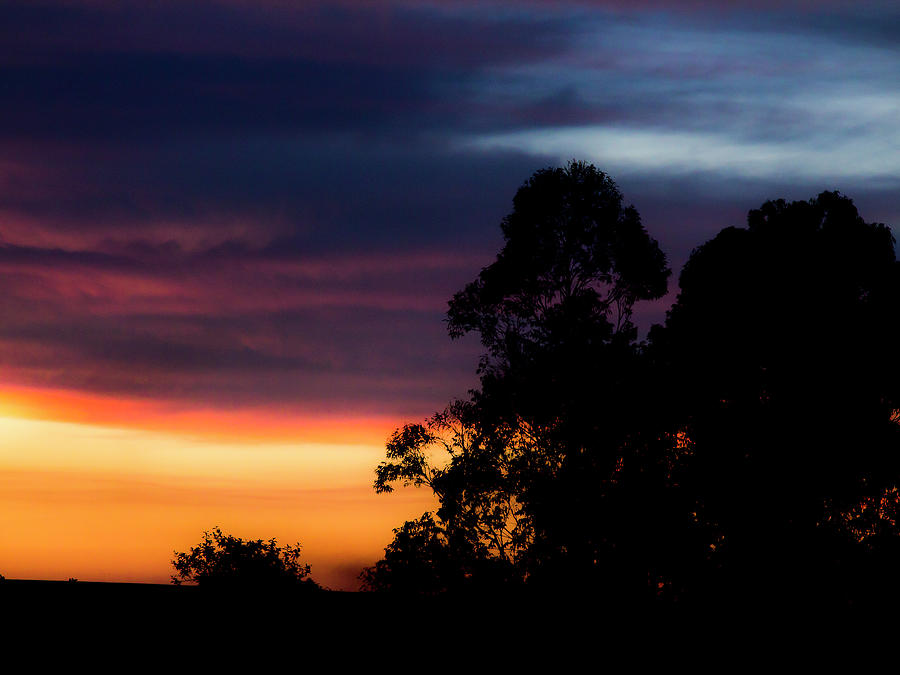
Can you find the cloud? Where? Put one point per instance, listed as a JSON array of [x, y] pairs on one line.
[[234, 325], [267, 204], [630, 150]]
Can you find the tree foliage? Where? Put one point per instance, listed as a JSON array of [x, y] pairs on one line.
[[559, 382], [752, 446], [572, 253], [424, 559], [783, 342], [472, 471], [221, 560]]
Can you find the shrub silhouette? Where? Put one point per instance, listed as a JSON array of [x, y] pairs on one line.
[[225, 561]]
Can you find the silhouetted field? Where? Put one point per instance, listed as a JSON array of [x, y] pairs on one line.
[[59, 595], [171, 626]]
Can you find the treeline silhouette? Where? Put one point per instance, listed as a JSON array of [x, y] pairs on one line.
[[747, 450]]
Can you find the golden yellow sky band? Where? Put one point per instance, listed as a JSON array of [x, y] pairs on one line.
[[110, 503]]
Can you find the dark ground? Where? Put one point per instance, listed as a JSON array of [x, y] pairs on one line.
[[175, 628]]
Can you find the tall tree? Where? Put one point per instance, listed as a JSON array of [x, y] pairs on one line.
[[554, 308], [563, 388], [554, 313]]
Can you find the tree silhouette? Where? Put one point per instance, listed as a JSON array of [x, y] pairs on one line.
[[418, 560], [751, 448], [534, 475], [225, 561], [424, 559], [471, 477], [783, 345], [574, 261]]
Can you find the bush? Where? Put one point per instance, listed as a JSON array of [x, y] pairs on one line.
[[222, 560]]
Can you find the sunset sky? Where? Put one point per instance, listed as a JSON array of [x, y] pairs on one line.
[[229, 229]]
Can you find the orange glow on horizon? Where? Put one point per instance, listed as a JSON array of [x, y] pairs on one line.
[[105, 490], [114, 527]]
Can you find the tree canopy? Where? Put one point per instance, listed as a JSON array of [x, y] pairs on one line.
[[559, 383], [782, 340], [575, 260], [751, 446]]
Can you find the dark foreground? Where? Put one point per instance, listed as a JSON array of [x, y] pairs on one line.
[[128, 601], [171, 628]]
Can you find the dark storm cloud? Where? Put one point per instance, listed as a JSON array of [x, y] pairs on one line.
[[369, 32], [123, 96], [294, 196], [311, 125], [126, 73]]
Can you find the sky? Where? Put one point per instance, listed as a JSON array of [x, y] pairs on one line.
[[229, 229]]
